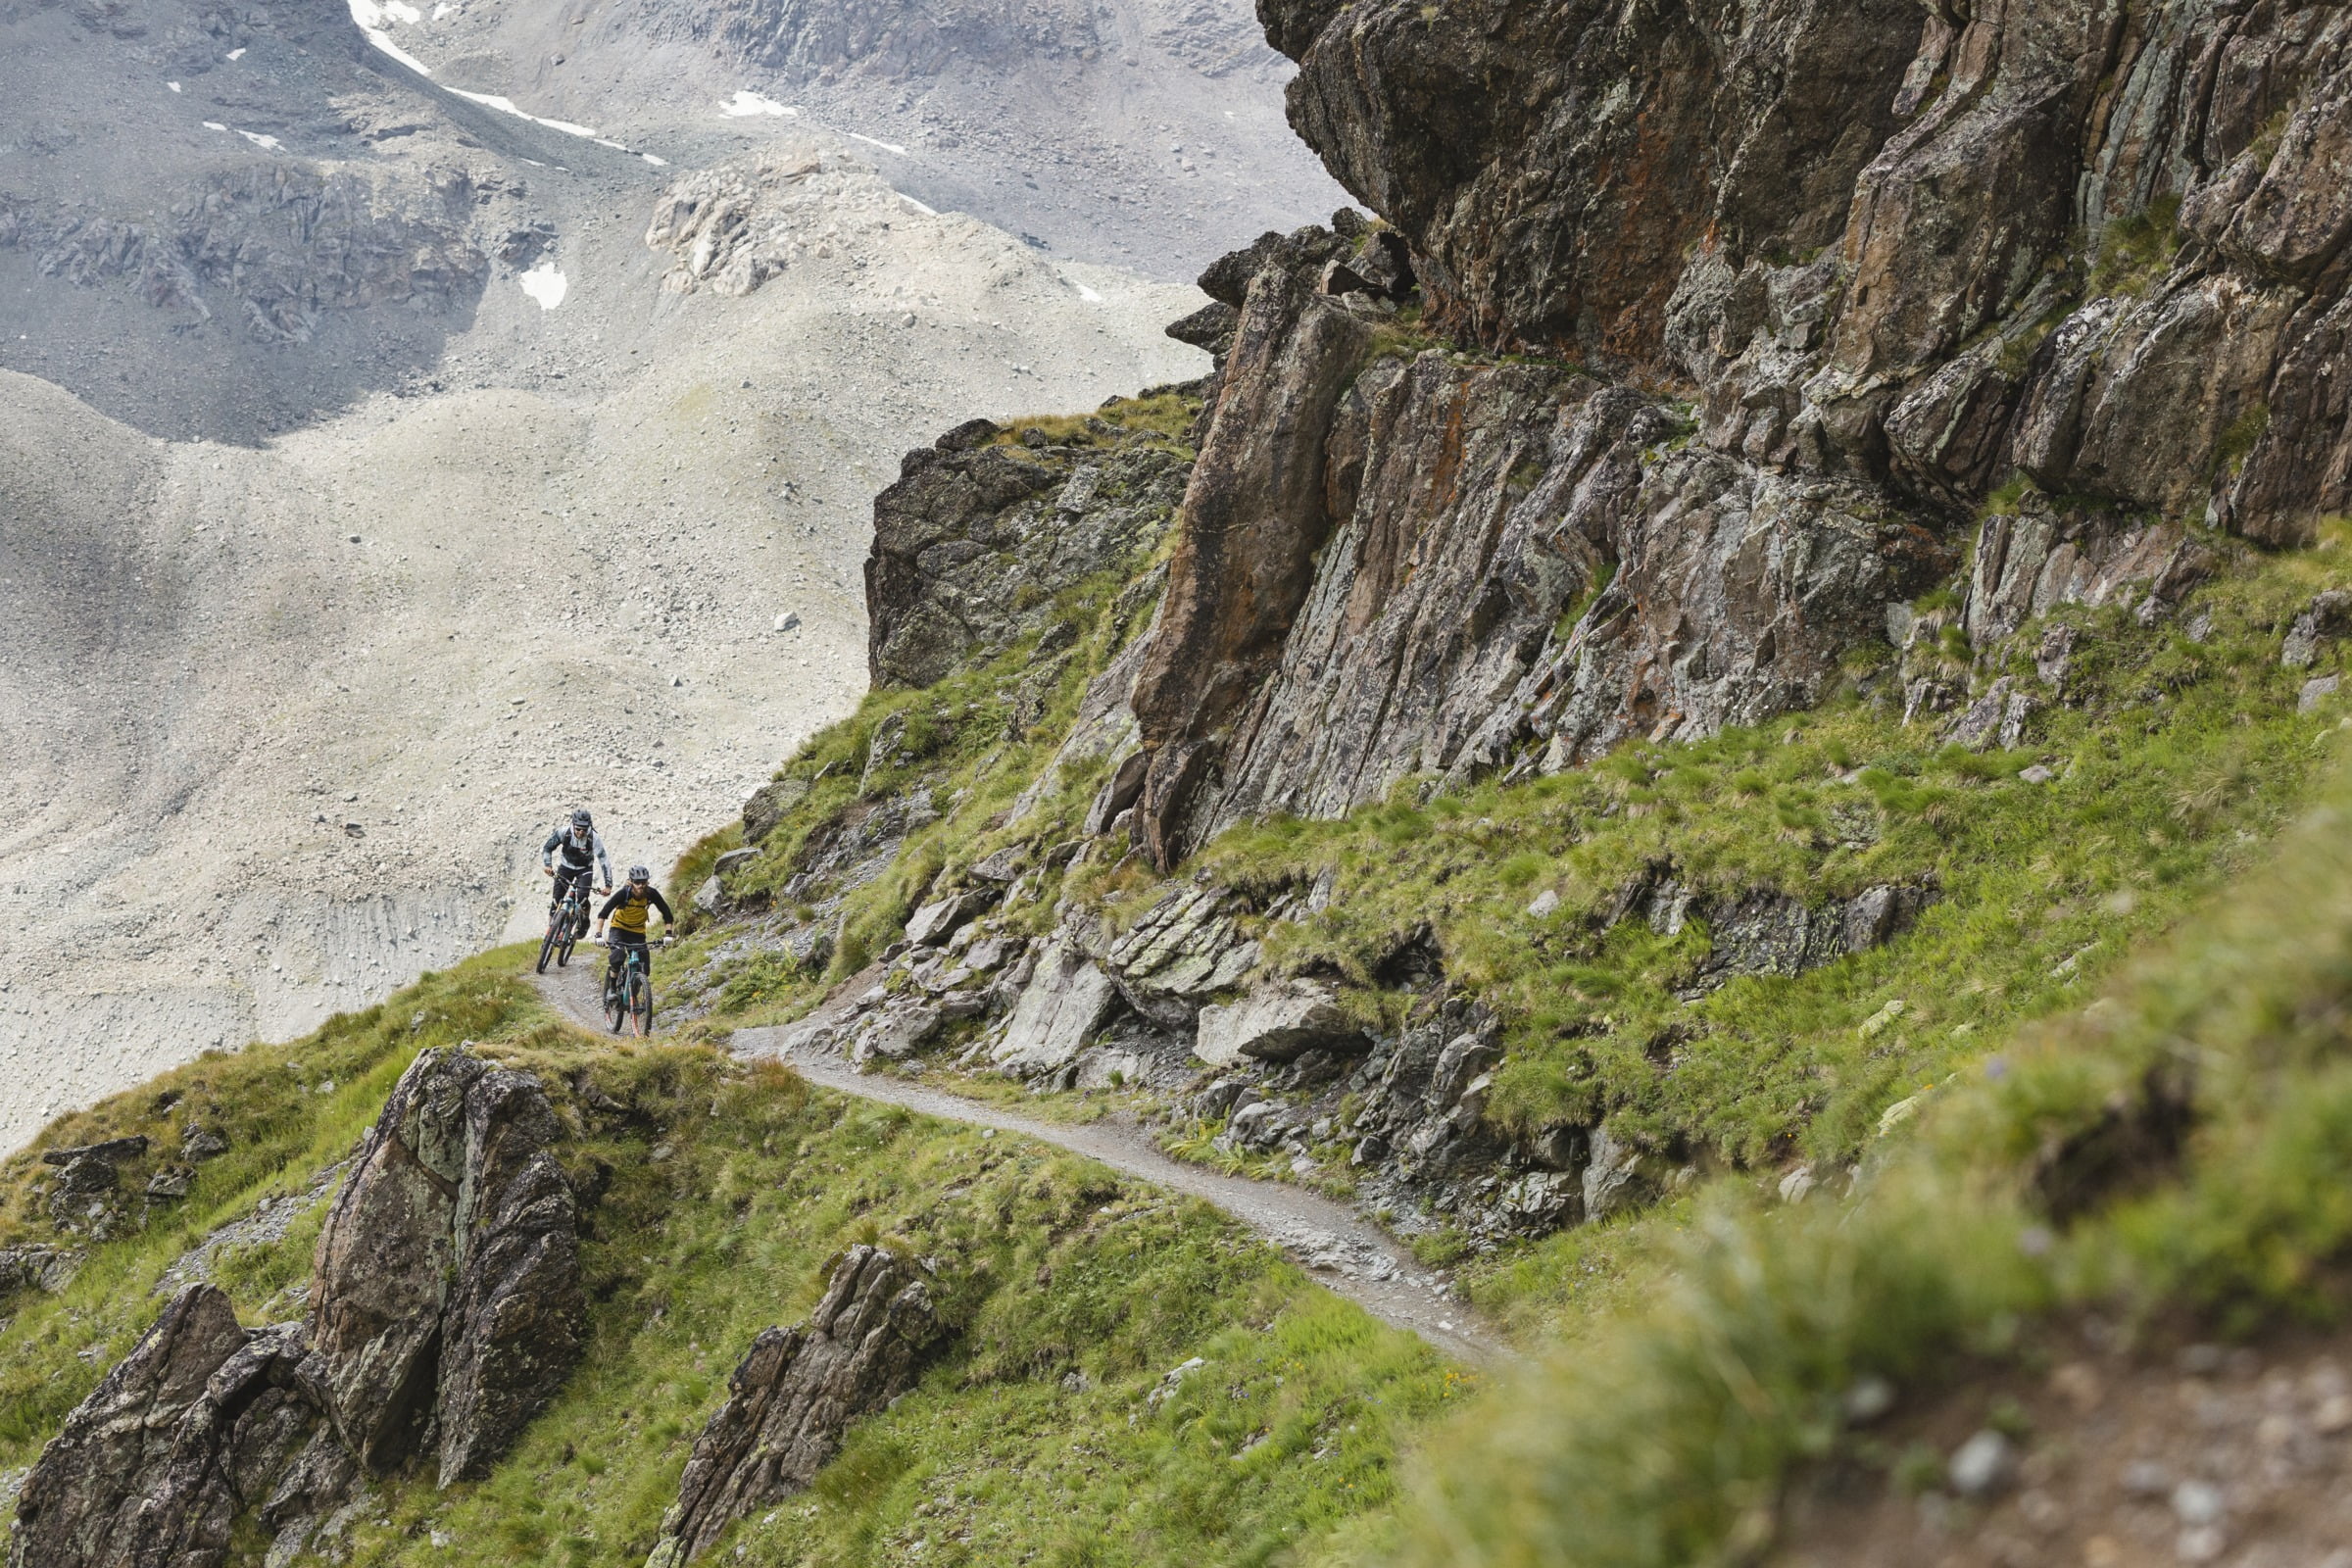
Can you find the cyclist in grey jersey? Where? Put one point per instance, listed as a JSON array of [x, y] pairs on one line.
[[570, 854]]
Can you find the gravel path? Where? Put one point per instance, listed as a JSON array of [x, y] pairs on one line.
[[1337, 1247]]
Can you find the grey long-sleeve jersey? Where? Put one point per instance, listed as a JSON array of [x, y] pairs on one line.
[[577, 854]]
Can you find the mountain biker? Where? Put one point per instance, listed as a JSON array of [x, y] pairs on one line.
[[582, 850], [626, 908]]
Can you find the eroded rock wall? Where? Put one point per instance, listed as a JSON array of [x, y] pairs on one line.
[[2103, 245]]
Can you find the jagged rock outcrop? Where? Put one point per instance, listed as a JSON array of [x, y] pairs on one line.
[[82, 1196], [1432, 567], [797, 1392], [2029, 563], [35, 1267], [1181, 952], [1277, 1020], [1764, 930], [1255, 514], [1553, 163], [978, 534], [446, 1300], [202, 1422], [446, 1312], [1066, 997]]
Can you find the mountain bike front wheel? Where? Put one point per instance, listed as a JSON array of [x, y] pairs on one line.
[[547, 945], [641, 1005]]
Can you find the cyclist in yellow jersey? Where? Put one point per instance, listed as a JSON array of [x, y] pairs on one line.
[[627, 910]]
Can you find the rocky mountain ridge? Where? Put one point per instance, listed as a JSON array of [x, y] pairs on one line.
[[1527, 471]]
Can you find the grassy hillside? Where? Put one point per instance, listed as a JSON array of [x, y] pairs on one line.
[[726, 1193], [2173, 1157], [2116, 1079]]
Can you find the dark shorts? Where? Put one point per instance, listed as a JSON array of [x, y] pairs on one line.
[[567, 877], [637, 944]]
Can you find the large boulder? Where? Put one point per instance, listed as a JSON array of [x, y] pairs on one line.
[[797, 1392], [88, 1177], [1277, 1020], [1067, 1000], [1180, 952], [447, 1271]]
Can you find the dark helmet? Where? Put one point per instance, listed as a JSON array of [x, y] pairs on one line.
[[581, 818], [638, 873]]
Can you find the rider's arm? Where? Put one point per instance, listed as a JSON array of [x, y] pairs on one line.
[[610, 903], [602, 859], [547, 850], [654, 895]]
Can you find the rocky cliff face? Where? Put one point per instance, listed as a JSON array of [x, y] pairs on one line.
[[1801, 288], [2098, 245]]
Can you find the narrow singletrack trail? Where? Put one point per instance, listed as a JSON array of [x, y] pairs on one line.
[[1337, 1247]]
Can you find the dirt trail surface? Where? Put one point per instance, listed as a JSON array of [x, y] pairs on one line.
[[1342, 1250]]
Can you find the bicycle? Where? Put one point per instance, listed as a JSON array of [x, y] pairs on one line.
[[566, 923], [630, 992]]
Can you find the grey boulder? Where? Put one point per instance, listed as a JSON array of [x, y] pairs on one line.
[[1278, 1020]]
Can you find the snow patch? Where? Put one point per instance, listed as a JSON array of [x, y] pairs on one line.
[[371, 19], [746, 104], [507, 105], [214, 125], [658, 163], [173, 85], [266, 144], [875, 141], [234, 54], [927, 212], [443, 10], [1086, 294], [545, 284]]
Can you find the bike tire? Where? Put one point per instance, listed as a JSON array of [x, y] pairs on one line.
[[562, 952], [547, 945], [641, 1007], [616, 1006]]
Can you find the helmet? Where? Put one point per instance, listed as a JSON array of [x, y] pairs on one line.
[[581, 818], [638, 873]]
